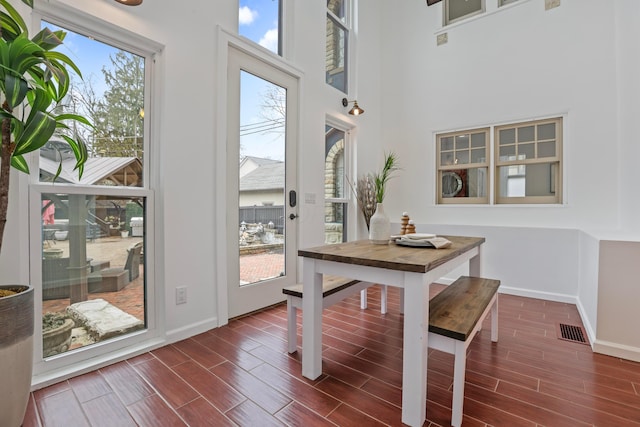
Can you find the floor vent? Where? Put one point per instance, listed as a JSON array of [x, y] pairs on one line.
[[572, 333]]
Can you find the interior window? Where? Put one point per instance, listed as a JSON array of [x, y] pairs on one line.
[[463, 159], [457, 10]]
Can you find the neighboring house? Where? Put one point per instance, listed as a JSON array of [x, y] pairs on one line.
[[261, 182]]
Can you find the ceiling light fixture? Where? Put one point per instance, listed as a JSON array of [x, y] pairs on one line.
[[130, 2], [356, 110]]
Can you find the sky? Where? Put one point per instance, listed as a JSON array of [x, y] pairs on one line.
[[89, 55], [257, 20]]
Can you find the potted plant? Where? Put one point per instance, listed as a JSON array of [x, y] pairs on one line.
[[370, 192], [34, 79]]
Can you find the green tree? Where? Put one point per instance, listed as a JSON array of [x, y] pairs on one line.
[[118, 115]]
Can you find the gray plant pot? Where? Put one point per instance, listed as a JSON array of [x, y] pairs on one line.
[[16, 354]]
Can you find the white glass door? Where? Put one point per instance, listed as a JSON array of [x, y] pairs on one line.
[[262, 199]]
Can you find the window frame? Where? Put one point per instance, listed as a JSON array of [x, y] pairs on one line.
[[346, 198], [346, 26], [90, 26], [446, 8], [556, 163], [556, 180], [442, 170]]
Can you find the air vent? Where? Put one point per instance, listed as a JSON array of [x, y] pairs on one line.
[[572, 333]]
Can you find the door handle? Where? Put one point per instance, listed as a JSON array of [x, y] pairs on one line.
[[293, 216]]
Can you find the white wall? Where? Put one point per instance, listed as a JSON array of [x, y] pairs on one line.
[[532, 262], [618, 296], [519, 63], [628, 51]]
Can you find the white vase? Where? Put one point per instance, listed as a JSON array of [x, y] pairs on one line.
[[379, 226]]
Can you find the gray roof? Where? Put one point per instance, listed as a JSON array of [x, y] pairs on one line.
[[122, 170], [270, 176], [259, 160]]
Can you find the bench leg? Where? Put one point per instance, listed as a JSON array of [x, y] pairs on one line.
[[292, 336], [459, 367], [383, 299], [494, 321], [363, 299]]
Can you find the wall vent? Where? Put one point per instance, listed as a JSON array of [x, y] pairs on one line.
[[572, 333]]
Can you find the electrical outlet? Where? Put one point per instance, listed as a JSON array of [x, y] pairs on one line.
[[550, 4], [442, 39], [181, 295]]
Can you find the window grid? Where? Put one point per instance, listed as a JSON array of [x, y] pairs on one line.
[[523, 161], [528, 162], [462, 167]]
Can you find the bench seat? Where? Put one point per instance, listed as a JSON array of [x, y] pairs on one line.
[[455, 316], [334, 289]]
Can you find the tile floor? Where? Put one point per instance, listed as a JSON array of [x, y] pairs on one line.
[[241, 374]]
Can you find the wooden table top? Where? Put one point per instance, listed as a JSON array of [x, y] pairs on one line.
[[392, 256]]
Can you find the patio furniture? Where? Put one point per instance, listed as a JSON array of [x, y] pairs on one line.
[[115, 278]]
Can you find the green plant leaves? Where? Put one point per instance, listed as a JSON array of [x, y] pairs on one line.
[[32, 74]]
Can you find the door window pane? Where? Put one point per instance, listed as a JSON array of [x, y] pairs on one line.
[[259, 21], [262, 179]]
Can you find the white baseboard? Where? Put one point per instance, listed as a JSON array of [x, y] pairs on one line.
[[179, 334], [588, 327], [549, 296], [617, 350]]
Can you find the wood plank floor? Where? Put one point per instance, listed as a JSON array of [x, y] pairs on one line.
[[241, 375]]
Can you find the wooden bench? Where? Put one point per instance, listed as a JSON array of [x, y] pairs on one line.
[[334, 289], [455, 316]]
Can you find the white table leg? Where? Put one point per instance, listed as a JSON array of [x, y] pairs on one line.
[[311, 320], [475, 269], [414, 359]]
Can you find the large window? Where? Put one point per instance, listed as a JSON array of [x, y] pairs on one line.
[[336, 61], [261, 21], [526, 166], [336, 199], [92, 240]]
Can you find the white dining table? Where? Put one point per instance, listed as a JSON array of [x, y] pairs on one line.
[[412, 269]]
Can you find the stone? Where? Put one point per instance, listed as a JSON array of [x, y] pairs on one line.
[[103, 320]]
